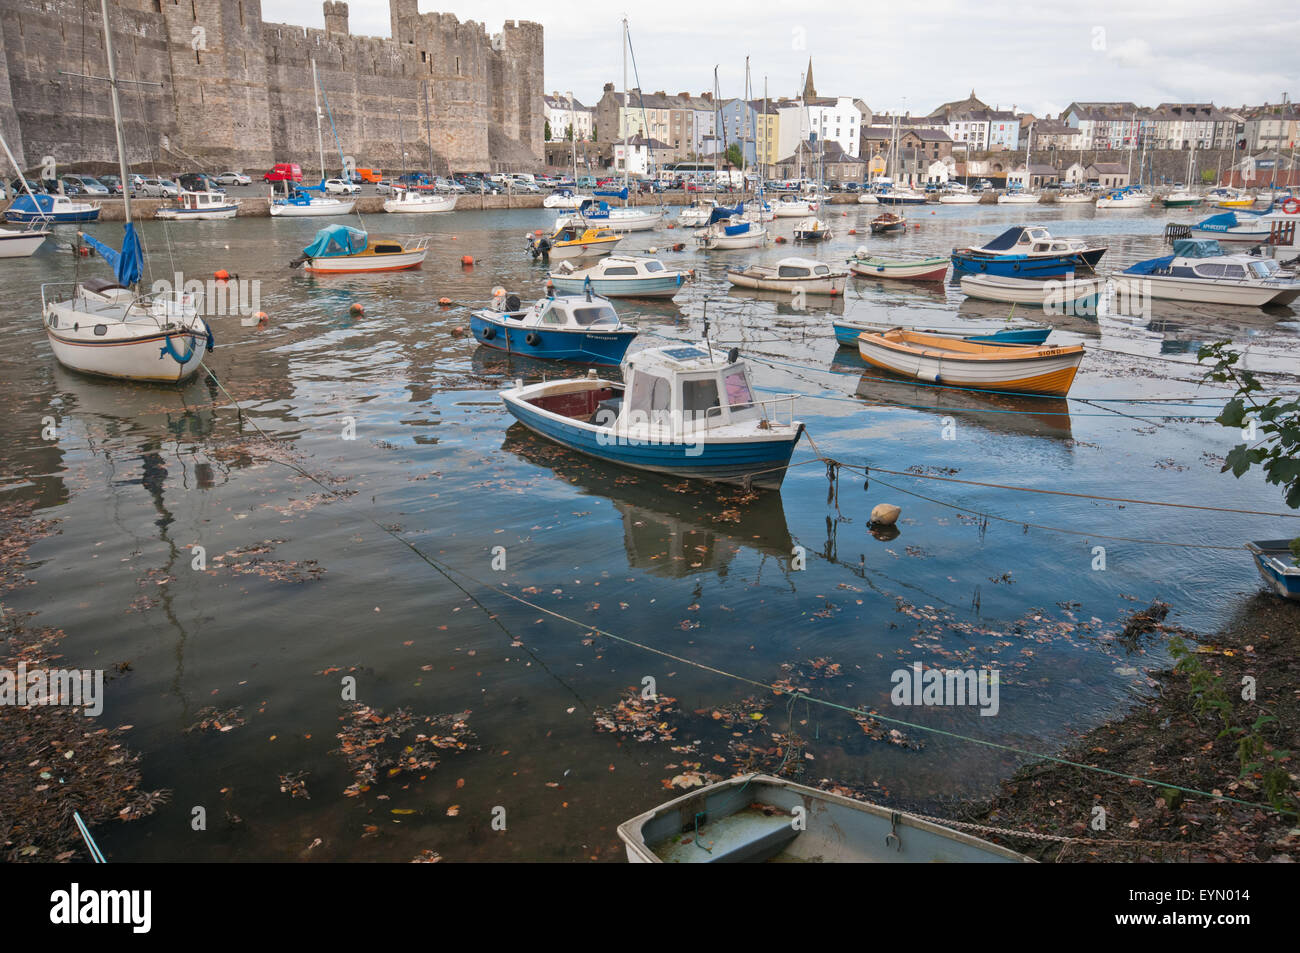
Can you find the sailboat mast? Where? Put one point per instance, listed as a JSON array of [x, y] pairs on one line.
[[627, 102], [117, 114], [320, 142], [767, 130], [428, 129], [573, 137]]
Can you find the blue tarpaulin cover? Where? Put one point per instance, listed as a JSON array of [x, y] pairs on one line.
[[23, 203], [1150, 266], [723, 212], [1197, 248], [737, 229], [127, 264], [333, 241], [616, 194]]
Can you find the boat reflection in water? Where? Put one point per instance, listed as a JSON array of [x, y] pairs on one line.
[[790, 303], [690, 529], [996, 413], [1080, 322]]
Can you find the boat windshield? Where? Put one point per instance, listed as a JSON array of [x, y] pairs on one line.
[[739, 396], [596, 316], [654, 266], [699, 397], [1264, 269], [651, 397]]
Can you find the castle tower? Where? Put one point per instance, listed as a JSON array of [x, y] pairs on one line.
[[336, 17]]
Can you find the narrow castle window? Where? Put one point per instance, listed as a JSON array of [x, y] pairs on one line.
[[458, 66]]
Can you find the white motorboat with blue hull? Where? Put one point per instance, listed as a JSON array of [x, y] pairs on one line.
[[1228, 227], [1027, 252], [584, 330], [620, 276], [683, 411], [50, 210], [1277, 566]]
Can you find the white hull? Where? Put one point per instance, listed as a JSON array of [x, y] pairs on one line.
[[1194, 290], [1030, 291], [162, 343], [1019, 199], [813, 286], [1078, 199], [620, 220], [866, 198], [20, 244], [318, 207], [793, 209], [754, 238], [959, 200], [570, 202], [203, 215], [1129, 201], [421, 203], [365, 263]]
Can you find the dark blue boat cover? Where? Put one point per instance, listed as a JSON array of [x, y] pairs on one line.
[[737, 229], [1006, 240], [1219, 223], [616, 194], [723, 212], [1197, 248], [1151, 265], [43, 205]]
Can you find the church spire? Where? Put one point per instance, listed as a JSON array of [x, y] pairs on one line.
[[809, 91]]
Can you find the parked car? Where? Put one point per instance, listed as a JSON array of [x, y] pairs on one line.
[[386, 188], [198, 182], [87, 184], [113, 184], [16, 187], [233, 178], [284, 172], [341, 187], [522, 185], [159, 189]]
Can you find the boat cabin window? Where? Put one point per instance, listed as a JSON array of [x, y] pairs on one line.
[[792, 271], [739, 396], [1209, 271], [596, 316], [1234, 271], [552, 314], [651, 395], [654, 266], [387, 248], [821, 270], [621, 270], [698, 396], [1264, 269]]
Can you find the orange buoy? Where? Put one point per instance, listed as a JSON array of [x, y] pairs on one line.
[[844, 214], [934, 213], [853, 231], [537, 232], [262, 319], [356, 309], [780, 239], [445, 302], [672, 224], [458, 332], [221, 275], [467, 261]]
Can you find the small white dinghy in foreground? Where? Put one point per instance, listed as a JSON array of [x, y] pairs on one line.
[[760, 818]]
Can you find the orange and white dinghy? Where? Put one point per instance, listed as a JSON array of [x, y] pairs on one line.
[[341, 250], [1025, 369]]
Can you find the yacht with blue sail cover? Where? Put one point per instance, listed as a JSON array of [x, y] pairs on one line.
[[730, 228], [581, 328], [1028, 251], [686, 411], [597, 213], [1199, 271]]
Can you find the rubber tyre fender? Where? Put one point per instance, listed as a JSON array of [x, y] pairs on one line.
[[533, 339]]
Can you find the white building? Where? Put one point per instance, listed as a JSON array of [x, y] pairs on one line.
[[824, 119], [561, 113], [637, 156]]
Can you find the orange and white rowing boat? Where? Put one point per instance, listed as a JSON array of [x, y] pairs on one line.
[[960, 363]]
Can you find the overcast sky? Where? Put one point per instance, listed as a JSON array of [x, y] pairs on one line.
[[1038, 56]]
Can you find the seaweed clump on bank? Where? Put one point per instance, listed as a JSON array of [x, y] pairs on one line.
[[54, 760], [1221, 723]]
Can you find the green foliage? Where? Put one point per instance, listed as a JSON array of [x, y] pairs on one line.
[[1254, 754], [1276, 420], [735, 157], [546, 131]]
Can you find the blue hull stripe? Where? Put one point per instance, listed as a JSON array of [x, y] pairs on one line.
[[618, 287]]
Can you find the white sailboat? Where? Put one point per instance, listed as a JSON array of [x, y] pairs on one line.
[[1129, 197], [1026, 195], [107, 327], [298, 203], [21, 243], [570, 199]]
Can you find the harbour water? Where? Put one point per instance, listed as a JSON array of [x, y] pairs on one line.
[[302, 589]]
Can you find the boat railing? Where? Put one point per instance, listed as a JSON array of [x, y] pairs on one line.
[[771, 409]]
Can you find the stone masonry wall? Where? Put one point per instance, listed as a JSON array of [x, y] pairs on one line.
[[235, 91]]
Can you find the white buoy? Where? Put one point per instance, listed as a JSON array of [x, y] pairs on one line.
[[885, 514]]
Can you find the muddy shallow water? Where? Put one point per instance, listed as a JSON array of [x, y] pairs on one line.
[[302, 589]]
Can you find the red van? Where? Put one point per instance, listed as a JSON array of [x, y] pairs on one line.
[[284, 172]]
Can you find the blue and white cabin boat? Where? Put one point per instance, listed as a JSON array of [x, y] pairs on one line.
[[1028, 251], [685, 411], [620, 276], [584, 329], [1277, 566], [51, 209], [1228, 227], [1198, 271], [594, 212]]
